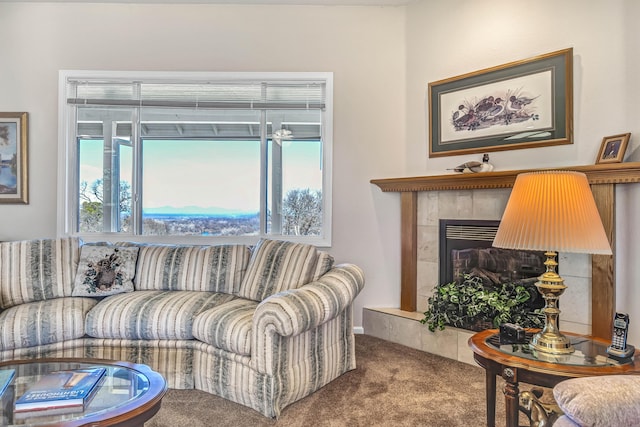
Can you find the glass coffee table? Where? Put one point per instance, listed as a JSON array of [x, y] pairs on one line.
[[129, 395]]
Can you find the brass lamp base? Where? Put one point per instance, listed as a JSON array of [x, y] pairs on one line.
[[546, 342], [549, 340]]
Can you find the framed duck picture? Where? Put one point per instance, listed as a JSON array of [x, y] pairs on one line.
[[522, 104]]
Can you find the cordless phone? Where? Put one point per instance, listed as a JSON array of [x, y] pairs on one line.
[[619, 349]]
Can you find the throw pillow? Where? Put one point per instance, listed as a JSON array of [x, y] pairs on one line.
[[277, 266], [610, 400], [105, 270]]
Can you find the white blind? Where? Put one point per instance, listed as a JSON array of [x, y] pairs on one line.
[[225, 95]]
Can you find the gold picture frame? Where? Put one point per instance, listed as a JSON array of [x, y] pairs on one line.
[[13, 158], [613, 148], [522, 104]]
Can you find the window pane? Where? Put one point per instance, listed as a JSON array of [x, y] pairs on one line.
[[295, 173], [90, 191], [91, 196], [201, 187], [302, 188]]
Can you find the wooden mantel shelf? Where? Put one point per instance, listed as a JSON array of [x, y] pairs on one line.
[[602, 177], [612, 173]]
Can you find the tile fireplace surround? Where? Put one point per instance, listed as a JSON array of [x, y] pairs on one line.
[[426, 200]]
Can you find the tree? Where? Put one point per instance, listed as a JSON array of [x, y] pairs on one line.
[[92, 203], [302, 212], [96, 194], [91, 217]]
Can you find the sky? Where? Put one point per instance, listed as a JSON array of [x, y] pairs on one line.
[[208, 174]]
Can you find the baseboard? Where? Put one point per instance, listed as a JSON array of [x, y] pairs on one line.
[[358, 330]]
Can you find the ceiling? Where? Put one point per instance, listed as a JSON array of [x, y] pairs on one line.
[[241, 2]]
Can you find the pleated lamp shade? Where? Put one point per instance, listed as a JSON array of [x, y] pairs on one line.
[[552, 211]]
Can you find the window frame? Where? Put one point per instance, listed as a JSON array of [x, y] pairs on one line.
[[68, 173]]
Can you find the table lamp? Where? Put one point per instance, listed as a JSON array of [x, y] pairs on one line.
[[552, 211]]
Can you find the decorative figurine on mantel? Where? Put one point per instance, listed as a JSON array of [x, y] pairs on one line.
[[473, 166]]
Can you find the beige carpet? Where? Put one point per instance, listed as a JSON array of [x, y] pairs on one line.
[[392, 386]]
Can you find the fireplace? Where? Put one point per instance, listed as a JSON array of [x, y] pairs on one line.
[[466, 251], [424, 200]]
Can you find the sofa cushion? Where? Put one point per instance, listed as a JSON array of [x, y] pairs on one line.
[[610, 400], [150, 315], [191, 268], [37, 270], [105, 270], [276, 266], [227, 326], [43, 322]]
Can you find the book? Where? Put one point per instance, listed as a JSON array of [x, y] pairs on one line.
[[60, 392], [6, 376]]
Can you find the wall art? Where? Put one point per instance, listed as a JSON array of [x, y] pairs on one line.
[[522, 104], [13, 158]]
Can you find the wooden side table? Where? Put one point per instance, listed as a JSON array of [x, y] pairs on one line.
[[517, 363]]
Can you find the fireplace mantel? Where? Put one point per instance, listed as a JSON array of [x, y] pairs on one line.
[[602, 177], [616, 173]]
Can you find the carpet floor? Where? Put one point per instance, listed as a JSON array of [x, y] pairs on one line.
[[393, 385]]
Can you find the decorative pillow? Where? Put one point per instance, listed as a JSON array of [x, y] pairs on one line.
[[277, 266], [105, 270], [37, 270], [609, 400]]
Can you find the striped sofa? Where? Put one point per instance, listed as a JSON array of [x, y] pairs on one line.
[[263, 326]]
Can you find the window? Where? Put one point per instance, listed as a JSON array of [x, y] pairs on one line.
[[181, 156]]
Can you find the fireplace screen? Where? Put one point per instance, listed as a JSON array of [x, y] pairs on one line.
[[465, 248]]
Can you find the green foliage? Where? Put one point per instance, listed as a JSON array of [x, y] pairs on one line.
[[469, 301], [91, 216]]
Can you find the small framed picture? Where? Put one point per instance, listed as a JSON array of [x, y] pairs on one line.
[[13, 158], [613, 148]]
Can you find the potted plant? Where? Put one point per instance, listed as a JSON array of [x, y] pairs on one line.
[[470, 304]]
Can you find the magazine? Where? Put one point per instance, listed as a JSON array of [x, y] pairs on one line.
[[60, 391]]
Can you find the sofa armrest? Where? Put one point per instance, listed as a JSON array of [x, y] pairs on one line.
[[292, 312]]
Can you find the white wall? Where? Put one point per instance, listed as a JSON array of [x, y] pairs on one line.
[[628, 197], [362, 46], [445, 41], [474, 36]]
